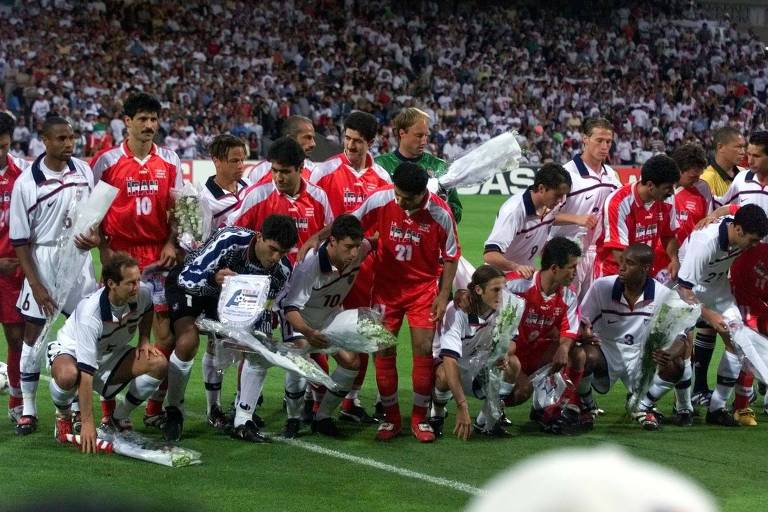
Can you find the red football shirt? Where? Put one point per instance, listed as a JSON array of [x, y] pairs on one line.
[[347, 188], [12, 171], [551, 317], [261, 173], [749, 283], [691, 205], [139, 213]]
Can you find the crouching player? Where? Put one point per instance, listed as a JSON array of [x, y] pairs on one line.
[[614, 314], [92, 352], [463, 329], [312, 297]]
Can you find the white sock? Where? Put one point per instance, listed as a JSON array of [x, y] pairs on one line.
[[683, 388], [344, 378], [30, 377], [480, 419], [62, 399], [178, 376], [252, 378], [139, 390], [439, 400], [294, 394], [76, 404], [659, 387], [727, 374], [212, 378]]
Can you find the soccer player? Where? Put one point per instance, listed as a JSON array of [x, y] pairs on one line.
[[614, 315], [457, 338], [313, 296], [92, 352], [730, 148], [592, 181], [231, 251], [11, 276], [524, 220], [749, 187], [43, 203], [637, 213], [411, 127], [707, 258], [301, 130], [138, 221]]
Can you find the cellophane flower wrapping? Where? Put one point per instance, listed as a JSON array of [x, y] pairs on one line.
[[134, 445], [357, 330], [548, 387], [751, 345], [243, 300], [192, 220], [499, 154]]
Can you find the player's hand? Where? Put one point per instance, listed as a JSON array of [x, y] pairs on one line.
[[461, 300], [463, 428], [312, 242], [8, 265], [706, 221], [589, 339], [673, 268], [88, 240], [662, 358], [717, 322], [588, 221], [168, 255], [44, 300], [221, 274], [560, 359], [317, 340], [438, 308], [687, 295], [88, 437], [525, 271], [147, 351]]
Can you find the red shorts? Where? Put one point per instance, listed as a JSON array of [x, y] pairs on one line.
[[534, 355], [417, 306], [145, 254], [10, 288]]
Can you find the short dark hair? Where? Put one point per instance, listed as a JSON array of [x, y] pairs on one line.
[[595, 122], [760, 139], [141, 102], [113, 269], [752, 220], [551, 176], [411, 178], [280, 229], [659, 169], [7, 124], [558, 251], [221, 144], [363, 123], [52, 121], [724, 135], [347, 226], [286, 151], [689, 156], [642, 253], [293, 124]]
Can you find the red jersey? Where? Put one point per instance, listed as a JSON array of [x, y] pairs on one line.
[[691, 205], [628, 220], [261, 173], [545, 317], [346, 187], [139, 213], [309, 208], [13, 170], [749, 283], [410, 246]]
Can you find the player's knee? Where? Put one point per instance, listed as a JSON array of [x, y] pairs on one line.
[[523, 391], [512, 370], [349, 361], [441, 383], [591, 359], [672, 372], [158, 367], [577, 356], [66, 376]]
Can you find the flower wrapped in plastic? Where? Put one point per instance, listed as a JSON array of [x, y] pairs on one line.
[[192, 219], [548, 388], [356, 330], [243, 300], [499, 154], [671, 320], [134, 445], [751, 345]]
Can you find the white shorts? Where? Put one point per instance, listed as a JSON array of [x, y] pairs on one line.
[[102, 378], [47, 268], [719, 298], [584, 272], [469, 383], [624, 363]]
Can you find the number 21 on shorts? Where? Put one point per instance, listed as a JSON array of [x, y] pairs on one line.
[[403, 252]]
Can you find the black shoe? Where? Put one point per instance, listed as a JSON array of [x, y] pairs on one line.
[[683, 418], [721, 417], [174, 424], [378, 411], [498, 430], [357, 414], [260, 400], [26, 425], [249, 432], [77, 422], [292, 427], [504, 421], [326, 427], [257, 420], [437, 422], [218, 420], [761, 388], [308, 414]]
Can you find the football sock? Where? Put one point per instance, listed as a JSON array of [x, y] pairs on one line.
[[155, 402], [76, 404], [703, 347], [319, 391], [351, 398], [139, 390], [212, 378], [62, 399], [659, 387], [584, 390], [571, 394], [423, 378], [178, 376], [294, 394], [743, 390], [252, 377], [344, 378], [107, 407], [727, 373], [439, 400], [14, 374], [480, 420], [30, 377], [386, 381], [683, 388]]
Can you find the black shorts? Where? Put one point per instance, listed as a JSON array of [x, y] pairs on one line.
[[182, 304]]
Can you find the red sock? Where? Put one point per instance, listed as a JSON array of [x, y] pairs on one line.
[[743, 390], [423, 378], [386, 381], [348, 403], [107, 407], [14, 371], [155, 402], [570, 394], [318, 392]]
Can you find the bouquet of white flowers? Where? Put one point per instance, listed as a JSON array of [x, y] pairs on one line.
[[356, 330], [753, 346], [499, 154], [134, 445], [192, 219]]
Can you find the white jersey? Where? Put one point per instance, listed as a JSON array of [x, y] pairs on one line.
[[746, 189], [95, 333], [317, 289], [219, 202], [42, 201], [589, 191], [518, 232], [706, 257], [460, 334]]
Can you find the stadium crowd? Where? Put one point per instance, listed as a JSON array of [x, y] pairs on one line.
[[664, 79]]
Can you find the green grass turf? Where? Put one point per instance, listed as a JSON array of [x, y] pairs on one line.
[[278, 476]]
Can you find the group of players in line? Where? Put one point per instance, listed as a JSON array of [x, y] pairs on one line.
[[355, 231]]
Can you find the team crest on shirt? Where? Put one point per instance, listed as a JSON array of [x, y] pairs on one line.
[[302, 224], [352, 198], [142, 187], [643, 233]]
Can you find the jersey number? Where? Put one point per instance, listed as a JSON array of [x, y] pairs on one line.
[[713, 276], [404, 252], [143, 205], [534, 250], [629, 339], [331, 301]]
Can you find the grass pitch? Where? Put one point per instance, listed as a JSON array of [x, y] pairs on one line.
[[357, 473]]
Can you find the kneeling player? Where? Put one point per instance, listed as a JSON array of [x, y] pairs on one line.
[[614, 315], [91, 352], [460, 333]]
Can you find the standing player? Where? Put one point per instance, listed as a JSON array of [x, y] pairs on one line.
[[43, 202], [138, 221], [707, 258], [637, 213], [729, 152], [592, 182], [301, 130], [751, 187], [411, 127], [522, 226], [11, 276], [91, 352]]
